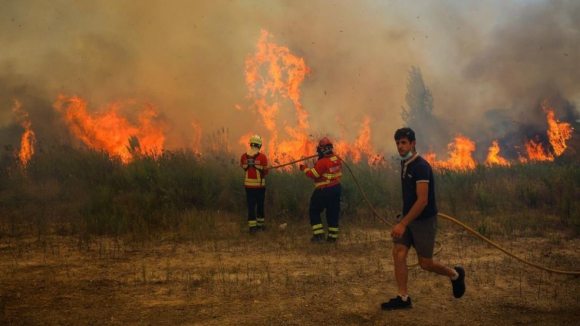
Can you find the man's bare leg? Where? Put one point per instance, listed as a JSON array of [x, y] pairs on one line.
[[431, 265], [401, 275]]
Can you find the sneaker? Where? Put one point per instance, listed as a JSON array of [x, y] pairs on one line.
[[253, 230], [397, 303], [261, 228], [459, 283], [317, 238]]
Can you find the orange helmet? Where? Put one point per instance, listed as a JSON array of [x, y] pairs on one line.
[[324, 146], [324, 142]]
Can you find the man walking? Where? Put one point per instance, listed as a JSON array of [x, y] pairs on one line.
[[417, 226]]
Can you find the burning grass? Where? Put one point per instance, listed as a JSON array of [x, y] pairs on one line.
[[88, 191]]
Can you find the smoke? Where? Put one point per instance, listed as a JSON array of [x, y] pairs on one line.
[[188, 57]]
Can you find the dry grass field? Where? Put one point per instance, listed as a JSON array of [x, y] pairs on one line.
[[216, 274]]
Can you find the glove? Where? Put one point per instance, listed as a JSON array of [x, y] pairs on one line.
[[302, 167]]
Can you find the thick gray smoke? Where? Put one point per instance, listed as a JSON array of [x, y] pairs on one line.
[[188, 57]]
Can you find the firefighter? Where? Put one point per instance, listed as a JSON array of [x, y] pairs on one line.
[[255, 164], [326, 196]]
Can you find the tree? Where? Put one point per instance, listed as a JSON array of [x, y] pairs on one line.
[[419, 100], [431, 132]]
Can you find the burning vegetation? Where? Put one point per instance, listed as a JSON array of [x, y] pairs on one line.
[[110, 131], [28, 138], [274, 77], [273, 73], [461, 150]]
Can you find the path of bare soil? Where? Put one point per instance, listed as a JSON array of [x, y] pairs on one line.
[[278, 278]]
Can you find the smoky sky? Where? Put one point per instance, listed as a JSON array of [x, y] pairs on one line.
[[188, 58]]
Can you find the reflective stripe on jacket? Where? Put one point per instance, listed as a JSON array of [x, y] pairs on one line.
[[326, 172], [255, 176]]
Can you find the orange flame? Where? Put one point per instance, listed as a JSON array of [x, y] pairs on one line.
[[536, 152], [110, 131], [361, 148], [558, 132], [28, 138], [460, 152], [284, 74], [273, 73], [493, 157]]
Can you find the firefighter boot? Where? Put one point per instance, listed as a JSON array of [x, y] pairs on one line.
[[317, 238]]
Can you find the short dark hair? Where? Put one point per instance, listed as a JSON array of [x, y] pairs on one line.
[[405, 133]]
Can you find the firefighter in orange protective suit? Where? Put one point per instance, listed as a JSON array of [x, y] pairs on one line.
[[255, 164], [326, 173]]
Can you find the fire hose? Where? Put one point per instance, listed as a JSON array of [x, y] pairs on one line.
[[444, 216], [300, 160]]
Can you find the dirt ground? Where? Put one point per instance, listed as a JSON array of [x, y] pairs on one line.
[[279, 278]]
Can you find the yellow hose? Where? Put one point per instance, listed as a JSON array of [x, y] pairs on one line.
[[300, 160], [477, 234]]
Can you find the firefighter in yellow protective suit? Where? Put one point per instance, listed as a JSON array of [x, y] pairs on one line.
[[255, 165]]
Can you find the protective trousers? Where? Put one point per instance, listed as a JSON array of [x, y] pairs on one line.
[[255, 198], [325, 199]]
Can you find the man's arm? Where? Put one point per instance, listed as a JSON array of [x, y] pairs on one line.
[[420, 204], [416, 209]]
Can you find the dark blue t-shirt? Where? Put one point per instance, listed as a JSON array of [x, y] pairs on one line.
[[418, 170]]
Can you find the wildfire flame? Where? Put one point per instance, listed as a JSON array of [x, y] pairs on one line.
[[28, 138], [274, 73], [537, 152], [361, 147], [111, 132], [460, 152], [558, 132], [493, 157], [284, 74]]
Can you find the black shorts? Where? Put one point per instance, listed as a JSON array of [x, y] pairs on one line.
[[421, 235]]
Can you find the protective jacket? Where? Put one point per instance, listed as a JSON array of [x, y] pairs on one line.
[[326, 172], [256, 167]]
